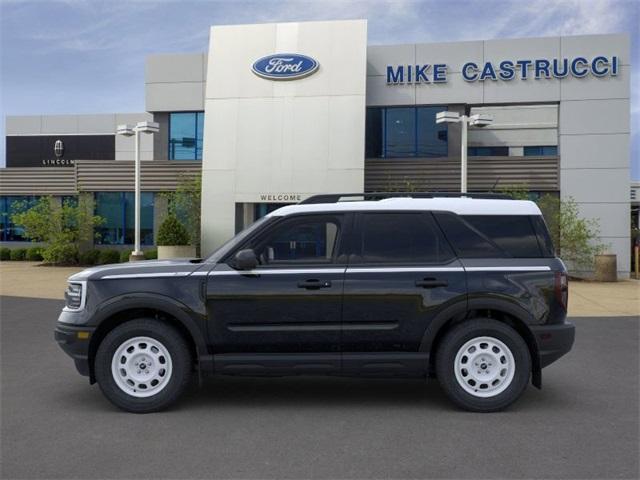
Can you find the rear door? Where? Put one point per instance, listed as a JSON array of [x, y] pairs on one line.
[[402, 272]]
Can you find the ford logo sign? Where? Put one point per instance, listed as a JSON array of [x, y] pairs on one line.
[[285, 66]]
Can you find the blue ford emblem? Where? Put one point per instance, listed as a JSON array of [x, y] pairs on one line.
[[284, 66]]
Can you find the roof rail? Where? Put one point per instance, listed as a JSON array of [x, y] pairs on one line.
[[337, 197]]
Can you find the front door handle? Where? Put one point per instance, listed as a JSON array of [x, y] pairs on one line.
[[431, 283], [314, 284]]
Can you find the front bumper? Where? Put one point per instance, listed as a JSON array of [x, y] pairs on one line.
[[74, 340], [553, 341]]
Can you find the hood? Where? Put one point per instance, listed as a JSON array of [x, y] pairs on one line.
[[175, 266]]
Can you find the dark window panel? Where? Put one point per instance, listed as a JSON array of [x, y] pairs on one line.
[[514, 234], [467, 241], [117, 208], [541, 151], [406, 238]]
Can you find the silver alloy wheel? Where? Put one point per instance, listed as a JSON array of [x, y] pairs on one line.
[[141, 367], [484, 367]]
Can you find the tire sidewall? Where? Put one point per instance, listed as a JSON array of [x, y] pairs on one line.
[[172, 341], [454, 340]]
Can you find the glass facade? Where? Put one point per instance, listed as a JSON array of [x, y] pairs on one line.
[[405, 132], [185, 135], [488, 151], [10, 232], [541, 151], [117, 209]]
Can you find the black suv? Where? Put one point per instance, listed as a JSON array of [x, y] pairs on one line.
[[468, 290]]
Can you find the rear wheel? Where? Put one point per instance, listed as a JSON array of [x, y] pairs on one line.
[[143, 365], [483, 365]]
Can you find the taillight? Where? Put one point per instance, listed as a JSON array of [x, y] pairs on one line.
[[562, 289]]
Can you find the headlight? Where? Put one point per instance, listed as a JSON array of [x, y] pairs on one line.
[[74, 295]]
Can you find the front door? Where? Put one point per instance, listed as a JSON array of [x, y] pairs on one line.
[[401, 274], [290, 304]]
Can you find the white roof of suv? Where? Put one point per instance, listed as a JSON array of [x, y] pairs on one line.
[[459, 205]]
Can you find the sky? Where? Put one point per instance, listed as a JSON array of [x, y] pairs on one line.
[[78, 56]]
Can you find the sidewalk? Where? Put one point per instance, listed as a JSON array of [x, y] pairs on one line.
[[586, 299]]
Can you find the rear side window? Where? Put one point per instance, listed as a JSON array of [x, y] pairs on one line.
[[467, 241], [514, 234], [544, 239], [491, 236], [402, 238]]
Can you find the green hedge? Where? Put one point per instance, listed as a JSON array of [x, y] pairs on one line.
[[18, 254], [124, 256], [90, 257], [5, 253], [108, 256], [151, 254], [34, 254]]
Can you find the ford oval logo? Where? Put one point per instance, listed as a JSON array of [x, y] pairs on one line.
[[285, 66]]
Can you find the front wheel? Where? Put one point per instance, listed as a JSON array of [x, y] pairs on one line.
[[143, 365], [483, 365]]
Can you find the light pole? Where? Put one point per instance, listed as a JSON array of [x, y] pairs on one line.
[[128, 131], [477, 120]]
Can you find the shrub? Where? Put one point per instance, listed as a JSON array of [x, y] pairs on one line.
[[34, 254], [108, 256], [151, 254], [185, 204], [90, 257], [172, 232], [61, 227], [5, 253], [18, 254], [57, 254], [124, 256]]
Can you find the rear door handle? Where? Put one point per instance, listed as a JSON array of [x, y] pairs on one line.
[[314, 284], [431, 283]]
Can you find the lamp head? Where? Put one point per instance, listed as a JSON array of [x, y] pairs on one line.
[[125, 130], [447, 117], [480, 120], [147, 127]]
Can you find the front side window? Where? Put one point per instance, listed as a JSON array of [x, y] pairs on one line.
[[402, 238], [304, 240], [185, 135], [117, 210]]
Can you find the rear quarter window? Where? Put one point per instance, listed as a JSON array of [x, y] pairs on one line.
[[491, 236]]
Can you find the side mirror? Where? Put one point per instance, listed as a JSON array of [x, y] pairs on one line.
[[245, 260]]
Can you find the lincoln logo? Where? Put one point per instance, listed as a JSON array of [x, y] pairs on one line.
[[58, 148], [285, 66]]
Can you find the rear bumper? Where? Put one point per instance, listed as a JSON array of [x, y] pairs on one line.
[[75, 343], [553, 341]]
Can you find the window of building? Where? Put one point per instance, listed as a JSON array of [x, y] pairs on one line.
[[541, 151], [402, 238], [117, 209], [185, 135], [393, 132], [9, 205], [488, 151], [308, 240]]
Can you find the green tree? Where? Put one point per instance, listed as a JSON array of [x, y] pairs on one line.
[[577, 239], [61, 227], [185, 203], [172, 232]]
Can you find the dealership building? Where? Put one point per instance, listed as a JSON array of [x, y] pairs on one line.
[[274, 113]]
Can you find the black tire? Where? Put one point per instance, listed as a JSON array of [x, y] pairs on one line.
[[456, 338], [171, 340]]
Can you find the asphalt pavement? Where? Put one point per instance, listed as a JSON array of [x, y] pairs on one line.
[[582, 424]]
